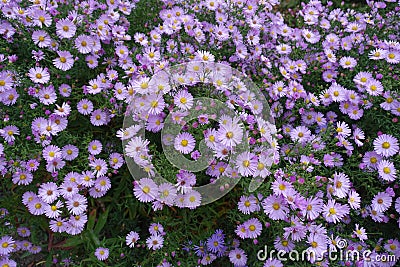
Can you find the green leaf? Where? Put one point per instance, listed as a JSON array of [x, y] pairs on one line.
[[73, 241], [101, 221], [92, 219]]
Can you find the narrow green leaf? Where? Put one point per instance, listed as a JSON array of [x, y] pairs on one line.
[[101, 221], [92, 219]]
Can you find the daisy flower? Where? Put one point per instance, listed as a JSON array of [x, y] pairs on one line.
[[354, 200], [85, 106], [360, 233], [184, 143], [230, 134], [77, 204], [393, 57], [48, 192], [102, 253], [65, 61], [132, 238], [248, 204], [99, 167], [334, 212], [146, 190], [65, 28], [347, 62], [374, 87], [381, 202], [254, 228], [192, 199], [183, 100], [386, 170], [39, 75], [8, 133], [95, 147], [275, 207], [83, 44], [155, 242], [386, 145], [204, 56], [246, 163], [98, 117], [301, 134], [7, 243], [69, 152], [238, 257]]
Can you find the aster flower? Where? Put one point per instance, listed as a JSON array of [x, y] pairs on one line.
[[230, 134], [48, 192], [155, 242], [7, 243], [65, 28], [146, 190], [386, 145], [393, 57], [77, 204], [102, 183], [192, 199], [22, 178], [381, 202], [39, 75], [183, 100], [347, 62], [65, 61], [360, 232], [37, 206], [254, 228], [341, 185], [8, 133], [248, 204], [354, 200], [318, 244], [301, 134], [246, 163], [68, 188], [386, 170], [54, 211], [95, 147], [85, 106], [313, 208], [23, 231], [204, 56], [69, 152], [238, 257], [99, 117], [275, 207], [334, 212], [83, 44], [272, 263], [102, 253], [184, 143], [132, 238]]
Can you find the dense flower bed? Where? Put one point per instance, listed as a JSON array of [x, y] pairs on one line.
[[320, 132]]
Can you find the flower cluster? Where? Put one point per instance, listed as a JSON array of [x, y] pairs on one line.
[[72, 71]]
